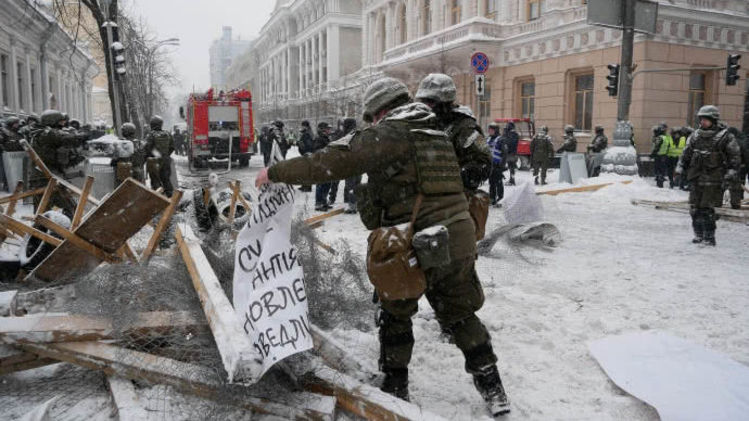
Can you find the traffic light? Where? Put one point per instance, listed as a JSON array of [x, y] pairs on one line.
[[732, 69], [117, 50], [613, 79]]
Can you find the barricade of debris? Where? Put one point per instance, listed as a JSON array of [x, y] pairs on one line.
[[132, 295]]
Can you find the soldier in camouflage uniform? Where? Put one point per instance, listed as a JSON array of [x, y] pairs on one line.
[[405, 155], [736, 187], [138, 158], [160, 145], [542, 153], [32, 124], [438, 91], [711, 161], [570, 142], [52, 144]]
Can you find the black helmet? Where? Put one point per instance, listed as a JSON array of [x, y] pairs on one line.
[[599, 129], [349, 124], [75, 124], [305, 123], [156, 123], [323, 126], [32, 118], [10, 121], [51, 118], [278, 123], [128, 130]]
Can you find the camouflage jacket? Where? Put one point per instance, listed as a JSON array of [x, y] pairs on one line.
[[160, 144], [708, 155], [542, 150], [53, 146], [474, 157]]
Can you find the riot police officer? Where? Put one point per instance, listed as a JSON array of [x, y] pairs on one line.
[[570, 142], [542, 153], [160, 146]]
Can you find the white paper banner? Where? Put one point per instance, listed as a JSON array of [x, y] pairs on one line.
[[269, 295]]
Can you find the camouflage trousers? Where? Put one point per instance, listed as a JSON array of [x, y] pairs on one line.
[[455, 294]]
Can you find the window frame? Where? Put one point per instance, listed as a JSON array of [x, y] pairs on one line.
[[692, 93], [529, 9], [426, 11], [490, 9], [5, 99], [588, 97], [521, 98], [455, 12]]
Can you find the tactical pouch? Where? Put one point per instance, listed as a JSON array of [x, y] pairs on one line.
[[478, 207], [432, 247], [392, 265], [369, 209]]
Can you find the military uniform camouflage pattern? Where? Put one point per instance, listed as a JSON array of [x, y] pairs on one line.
[[570, 142], [390, 153], [467, 138], [542, 153], [160, 145]]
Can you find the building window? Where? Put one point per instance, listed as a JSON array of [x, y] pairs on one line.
[[490, 8], [527, 99], [21, 88], [454, 12], [697, 92], [4, 79], [535, 9], [583, 103], [426, 17]]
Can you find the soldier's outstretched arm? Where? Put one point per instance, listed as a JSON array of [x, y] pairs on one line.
[[365, 152]]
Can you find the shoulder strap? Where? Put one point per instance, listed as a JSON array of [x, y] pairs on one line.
[[414, 214]]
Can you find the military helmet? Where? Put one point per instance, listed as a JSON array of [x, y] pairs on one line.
[[323, 126], [569, 128], [709, 111], [349, 124], [545, 129], [51, 118], [128, 130], [10, 121], [599, 129], [494, 125], [279, 124], [75, 124], [381, 94], [156, 123], [32, 117], [657, 130], [437, 87]]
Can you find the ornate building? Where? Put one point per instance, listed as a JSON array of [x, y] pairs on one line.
[[40, 66], [303, 61], [222, 53], [548, 63]]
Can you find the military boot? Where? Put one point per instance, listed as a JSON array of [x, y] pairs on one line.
[[490, 387], [396, 383], [535, 180], [709, 239], [698, 227]]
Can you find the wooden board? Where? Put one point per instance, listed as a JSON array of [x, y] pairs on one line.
[[8, 199], [240, 359], [13, 360], [185, 377], [581, 189], [362, 399], [125, 398], [8, 303], [75, 328], [166, 217], [335, 355], [733, 215], [324, 216], [130, 207]]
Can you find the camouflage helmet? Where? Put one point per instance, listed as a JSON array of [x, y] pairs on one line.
[[156, 122], [437, 87], [128, 130], [599, 129], [75, 124], [569, 128], [709, 111], [32, 118], [544, 129], [494, 125], [381, 94], [51, 118], [10, 121]]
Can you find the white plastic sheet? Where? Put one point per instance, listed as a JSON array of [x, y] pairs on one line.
[[522, 206], [682, 380]]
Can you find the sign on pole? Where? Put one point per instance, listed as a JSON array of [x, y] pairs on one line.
[[480, 63], [480, 85], [269, 295], [609, 13]]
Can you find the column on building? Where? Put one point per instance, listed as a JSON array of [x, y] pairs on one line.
[[323, 57], [60, 89], [315, 59], [334, 53], [31, 107], [389, 27], [300, 69], [13, 74]]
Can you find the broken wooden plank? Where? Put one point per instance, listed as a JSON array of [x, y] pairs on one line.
[[14, 199], [233, 203], [47, 196], [76, 240], [185, 377], [127, 405], [108, 227], [35, 192], [8, 303], [591, 188], [22, 229], [166, 217], [82, 201], [362, 399], [13, 360], [240, 359], [40, 328], [733, 215], [317, 218]]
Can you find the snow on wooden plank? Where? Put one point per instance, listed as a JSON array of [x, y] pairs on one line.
[[581, 189], [362, 399], [19, 196], [324, 216], [73, 328], [166, 217], [8, 303], [126, 402], [186, 378], [335, 355], [81, 208], [13, 360], [240, 359]]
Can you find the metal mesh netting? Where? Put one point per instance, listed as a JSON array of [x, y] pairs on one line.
[[336, 286]]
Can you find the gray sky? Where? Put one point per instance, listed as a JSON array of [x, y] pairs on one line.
[[197, 23]]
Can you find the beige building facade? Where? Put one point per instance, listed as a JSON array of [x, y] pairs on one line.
[[549, 64]]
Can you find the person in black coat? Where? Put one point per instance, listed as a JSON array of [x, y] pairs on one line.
[[305, 146], [322, 190], [510, 139]]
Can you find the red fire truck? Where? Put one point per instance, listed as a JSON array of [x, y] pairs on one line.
[[219, 127]]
